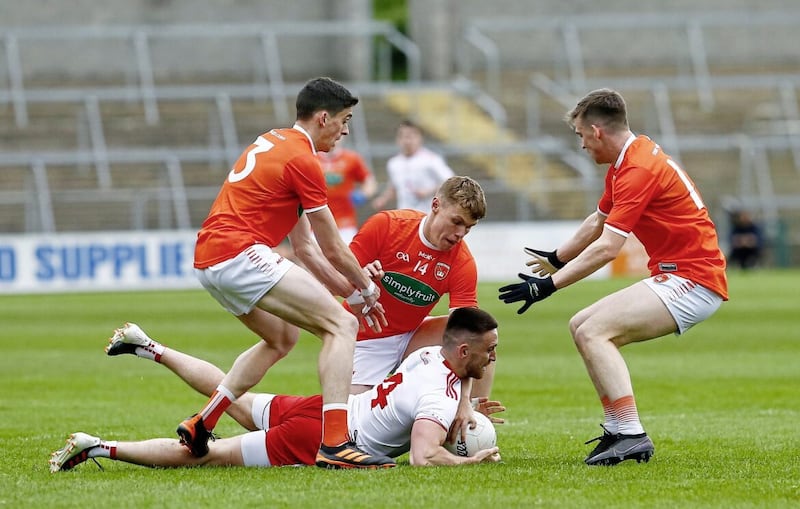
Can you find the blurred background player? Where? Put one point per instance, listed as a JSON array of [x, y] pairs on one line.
[[234, 260], [415, 173], [410, 412], [746, 239], [647, 194], [350, 184]]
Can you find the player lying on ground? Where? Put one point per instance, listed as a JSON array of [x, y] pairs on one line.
[[411, 411]]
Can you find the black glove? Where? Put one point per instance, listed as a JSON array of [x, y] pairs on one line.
[[532, 289], [544, 263]]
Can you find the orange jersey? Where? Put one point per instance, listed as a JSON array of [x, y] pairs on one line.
[[343, 170], [647, 193], [416, 275], [276, 178]]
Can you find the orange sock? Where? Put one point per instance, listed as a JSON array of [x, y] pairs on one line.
[[628, 416], [219, 401], [334, 424]]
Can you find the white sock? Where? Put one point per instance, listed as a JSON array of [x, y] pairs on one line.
[[153, 351], [630, 428], [106, 449], [612, 426]]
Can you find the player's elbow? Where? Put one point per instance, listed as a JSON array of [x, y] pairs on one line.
[[608, 248], [419, 460], [337, 257], [607, 253], [423, 454]]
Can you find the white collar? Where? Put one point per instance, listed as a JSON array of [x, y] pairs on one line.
[[621, 156], [422, 235], [300, 128]]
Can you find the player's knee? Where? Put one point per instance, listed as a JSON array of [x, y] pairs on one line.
[[349, 324], [580, 332], [282, 341], [283, 348], [574, 324], [339, 323]]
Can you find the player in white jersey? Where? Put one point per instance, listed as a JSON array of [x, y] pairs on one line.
[[411, 411], [423, 387], [415, 174]]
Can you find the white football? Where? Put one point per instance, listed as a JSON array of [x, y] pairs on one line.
[[482, 436]]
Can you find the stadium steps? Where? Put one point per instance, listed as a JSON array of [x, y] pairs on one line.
[[458, 121], [381, 125], [51, 126]]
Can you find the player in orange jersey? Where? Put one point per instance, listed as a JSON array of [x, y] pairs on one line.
[[647, 194], [277, 189], [350, 183], [417, 259]]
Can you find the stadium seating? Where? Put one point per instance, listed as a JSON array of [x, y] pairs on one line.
[[133, 145], [718, 89]]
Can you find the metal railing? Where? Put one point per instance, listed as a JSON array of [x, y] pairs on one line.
[[140, 38], [756, 188], [480, 36], [173, 198]]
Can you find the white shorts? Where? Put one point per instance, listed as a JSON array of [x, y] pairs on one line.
[[239, 283], [376, 358], [260, 410], [254, 449], [688, 302]]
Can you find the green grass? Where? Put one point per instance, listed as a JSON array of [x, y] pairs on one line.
[[722, 404]]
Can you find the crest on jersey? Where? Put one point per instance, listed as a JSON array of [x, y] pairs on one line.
[[441, 270]]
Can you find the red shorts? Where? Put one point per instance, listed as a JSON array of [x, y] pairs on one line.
[[295, 430]]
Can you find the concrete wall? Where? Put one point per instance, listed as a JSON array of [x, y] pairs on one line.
[[344, 57], [437, 26]]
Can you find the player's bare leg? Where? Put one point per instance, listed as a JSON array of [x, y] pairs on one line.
[[158, 452], [199, 374], [278, 338], [169, 453], [599, 331], [291, 300]]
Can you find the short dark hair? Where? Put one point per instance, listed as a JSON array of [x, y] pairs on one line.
[[602, 106], [466, 193], [323, 94], [467, 324]]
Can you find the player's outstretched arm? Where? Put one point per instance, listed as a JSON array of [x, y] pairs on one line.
[[340, 256], [427, 439]]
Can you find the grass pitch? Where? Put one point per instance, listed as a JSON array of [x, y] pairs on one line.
[[722, 404]]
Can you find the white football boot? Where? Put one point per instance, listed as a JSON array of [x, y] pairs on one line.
[[75, 452]]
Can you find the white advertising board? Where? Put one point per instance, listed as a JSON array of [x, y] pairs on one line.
[[97, 261], [146, 260]]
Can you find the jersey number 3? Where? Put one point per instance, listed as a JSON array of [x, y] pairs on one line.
[[260, 145]]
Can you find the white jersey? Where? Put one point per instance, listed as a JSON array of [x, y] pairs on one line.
[[422, 171], [422, 387]]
